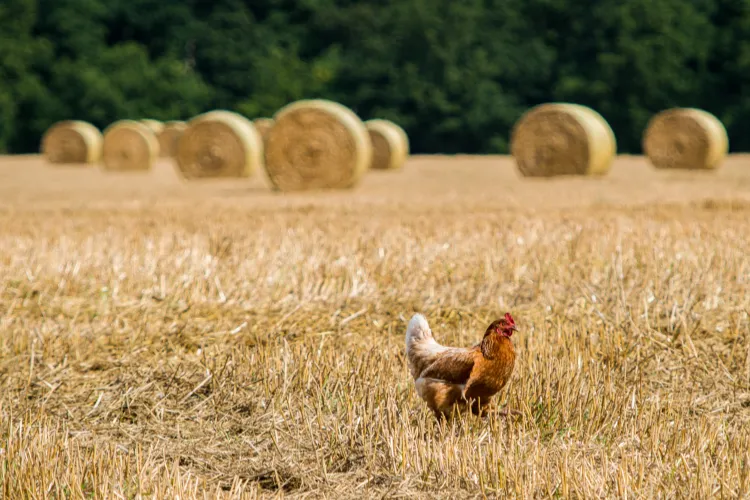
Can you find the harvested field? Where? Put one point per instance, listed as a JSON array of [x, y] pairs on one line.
[[163, 337]]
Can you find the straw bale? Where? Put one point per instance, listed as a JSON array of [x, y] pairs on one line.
[[219, 144], [263, 125], [685, 138], [390, 144], [155, 125], [562, 139], [317, 144], [72, 142], [129, 146], [169, 136]]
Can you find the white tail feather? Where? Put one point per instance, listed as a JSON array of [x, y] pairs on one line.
[[417, 330], [421, 347]]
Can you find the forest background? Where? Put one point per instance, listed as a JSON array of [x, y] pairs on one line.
[[455, 74]]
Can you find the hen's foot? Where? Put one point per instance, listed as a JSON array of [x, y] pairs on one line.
[[506, 413]]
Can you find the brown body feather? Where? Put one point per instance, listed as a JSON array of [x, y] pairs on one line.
[[466, 378]]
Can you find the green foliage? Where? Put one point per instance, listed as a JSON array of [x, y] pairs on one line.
[[455, 75], [19, 85]]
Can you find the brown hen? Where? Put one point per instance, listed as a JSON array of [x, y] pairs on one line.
[[467, 378]]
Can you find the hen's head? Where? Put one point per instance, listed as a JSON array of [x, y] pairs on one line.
[[504, 326]]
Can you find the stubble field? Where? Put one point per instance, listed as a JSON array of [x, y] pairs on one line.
[[162, 338]]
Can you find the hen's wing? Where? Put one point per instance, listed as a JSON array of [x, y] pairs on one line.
[[452, 366]]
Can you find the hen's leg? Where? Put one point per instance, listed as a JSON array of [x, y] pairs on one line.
[[484, 406]]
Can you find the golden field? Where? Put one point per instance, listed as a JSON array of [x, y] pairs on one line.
[[166, 339]]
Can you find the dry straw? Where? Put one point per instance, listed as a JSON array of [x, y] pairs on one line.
[[219, 144], [72, 142], [685, 138], [390, 144], [129, 146], [169, 136], [317, 144], [562, 139]]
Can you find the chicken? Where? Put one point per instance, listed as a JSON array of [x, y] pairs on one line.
[[454, 376]]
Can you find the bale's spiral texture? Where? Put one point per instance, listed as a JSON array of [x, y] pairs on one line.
[[155, 125], [685, 138], [317, 144], [169, 136], [263, 125], [219, 144], [562, 139], [129, 146], [72, 141], [390, 144]]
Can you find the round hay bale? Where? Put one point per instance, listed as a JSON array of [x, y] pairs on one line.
[[390, 144], [129, 146], [155, 125], [685, 138], [219, 144], [263, 125], [317, 144], [169, 136], [72, 142], [562, 139]]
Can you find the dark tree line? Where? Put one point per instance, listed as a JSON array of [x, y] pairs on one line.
[[455, 74]]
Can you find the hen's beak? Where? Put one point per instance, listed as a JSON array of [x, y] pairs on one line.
[[514, 328]]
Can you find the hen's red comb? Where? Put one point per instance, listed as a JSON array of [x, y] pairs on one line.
[[509, 319]]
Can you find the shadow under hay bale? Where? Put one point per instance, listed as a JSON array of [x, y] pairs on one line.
[[129, 146], [685, 138], [219, 144], [317, 144], [390, 144], [72, 142], [562, 139]]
